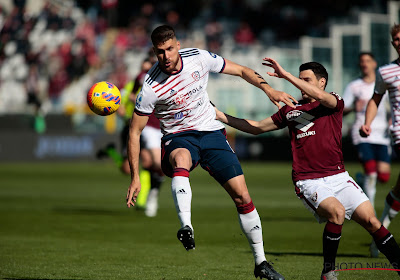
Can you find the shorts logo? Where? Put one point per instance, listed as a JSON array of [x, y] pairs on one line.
[[314, 197], [178, 116], [168, 142], [196, 75]]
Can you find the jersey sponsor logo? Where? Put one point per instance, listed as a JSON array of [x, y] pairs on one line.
[[196, 75], [212, 54], [194, 90], [304, 134], [178, 116], [180, 99], [303, 120], [139, 100]]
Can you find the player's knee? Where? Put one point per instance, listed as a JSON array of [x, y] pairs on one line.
[[337, 215], [241, 199], [372, 224], [383, 177], [181, 159]]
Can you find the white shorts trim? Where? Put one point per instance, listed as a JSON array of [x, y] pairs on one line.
[[151, 137], [340, 186]]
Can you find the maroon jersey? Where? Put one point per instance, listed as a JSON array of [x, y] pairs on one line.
[[316, 138]]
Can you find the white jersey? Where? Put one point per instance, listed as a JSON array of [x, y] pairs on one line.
[[388, 78], [356, 95], [180, 100]]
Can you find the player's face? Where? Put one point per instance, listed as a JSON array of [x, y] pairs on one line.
[[309, 77], [396, 43], [168, 56], [367, 64]]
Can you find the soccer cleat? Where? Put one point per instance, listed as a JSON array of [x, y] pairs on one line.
[[265, 270], [152, 203], [331, 275], [186, 236], [373, 250]]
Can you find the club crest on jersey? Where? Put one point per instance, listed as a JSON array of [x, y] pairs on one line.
[[314, 197], [196, 75]]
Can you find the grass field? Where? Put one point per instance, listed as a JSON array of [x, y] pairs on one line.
[[69, 221]]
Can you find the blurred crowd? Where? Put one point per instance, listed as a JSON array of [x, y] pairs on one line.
[[52, 51]]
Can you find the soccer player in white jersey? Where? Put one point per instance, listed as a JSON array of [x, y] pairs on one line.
[[373, 152], [388, 80], [175, 89]]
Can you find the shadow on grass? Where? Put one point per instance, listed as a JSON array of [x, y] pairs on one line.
[[288, 219], [315, 254]]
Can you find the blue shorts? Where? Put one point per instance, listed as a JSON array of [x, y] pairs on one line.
[[367, 151], [209, 148]]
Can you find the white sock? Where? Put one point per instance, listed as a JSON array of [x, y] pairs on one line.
[[389, 213], [251, 227], [370, 186], [182, 195]]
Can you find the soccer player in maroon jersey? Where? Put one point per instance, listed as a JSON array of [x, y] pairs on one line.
[[319, 176], [387, 79]]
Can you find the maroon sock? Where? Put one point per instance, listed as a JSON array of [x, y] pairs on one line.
[[331, 239]]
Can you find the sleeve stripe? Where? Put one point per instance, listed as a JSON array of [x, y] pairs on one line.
[[141, 113], [223, 66]]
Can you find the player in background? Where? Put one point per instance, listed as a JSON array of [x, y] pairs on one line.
[[175, 89], [150, 154], [374, 151], [319, 175], [388, 80]]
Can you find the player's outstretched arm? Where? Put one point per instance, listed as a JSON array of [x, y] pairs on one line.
[[370, 113], [257, 80], [322, 96], [135, 129], [249, 126]]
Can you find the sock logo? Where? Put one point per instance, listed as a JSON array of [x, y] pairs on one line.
[[256, 227], [333, 238], [181, 191], [386, 240]]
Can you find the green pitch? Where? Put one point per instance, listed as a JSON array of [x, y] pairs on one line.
[[69, 221]]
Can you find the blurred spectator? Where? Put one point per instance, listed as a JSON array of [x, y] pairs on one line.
[[214, 35], [244, 36]]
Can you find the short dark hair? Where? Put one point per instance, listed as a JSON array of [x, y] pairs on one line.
[[366, 53], [162, 34], [318, 69], [394, 30]]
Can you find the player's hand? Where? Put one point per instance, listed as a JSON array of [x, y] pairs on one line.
[[133, 192], [279, 71], [365, 130], [277, 96]]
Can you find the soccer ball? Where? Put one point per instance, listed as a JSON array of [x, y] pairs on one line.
[[104, 98]]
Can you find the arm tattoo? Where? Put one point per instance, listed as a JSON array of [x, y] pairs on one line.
[[263, 81]]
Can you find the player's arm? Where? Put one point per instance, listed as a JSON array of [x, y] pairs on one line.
[[326, 99], [348, 98], [257, 80], [370, 114], [249, 126], [135, 129]]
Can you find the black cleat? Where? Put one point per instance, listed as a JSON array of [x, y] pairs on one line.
[[103, 153], [265, 270], [186, 236]]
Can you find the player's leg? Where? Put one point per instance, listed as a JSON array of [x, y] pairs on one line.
[[333, 211], [368, 160], [319, 197], [157, 177], [384, 240], [222, 163], [392, 201]]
